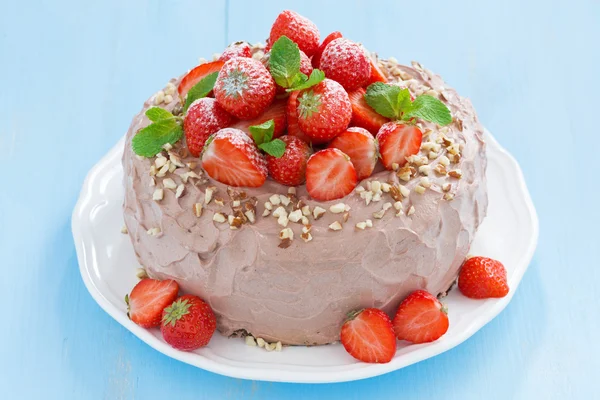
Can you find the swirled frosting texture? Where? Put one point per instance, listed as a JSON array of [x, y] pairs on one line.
[[301, 294]]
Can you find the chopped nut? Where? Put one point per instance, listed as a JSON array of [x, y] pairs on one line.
[[444, 161], [270, 346], [395, 166], [275, 199], [175, 160], [306, 228], [235, 222], [266, 213], [306, 210], [159, 97], [124, 230], [283, 220], [295, 216], [251, 215], [425, 169], [425, 182], [368, 196], [153, 170], [268, 206], [172, 167], [386, 206], [446, 187], [284, 200], [440, 169], [411, 210], [250, 341], [218, 217], [335, 226], [345, 217], [376, 186], [419, 189], [405, 173], [305, 220], [191, 164], [386, 187], [160, 161], [140, 273], [404, 191], [318, 212], [170, 88], [395, 193], [153, 231], [179, 190], [260, 342], [280, 211], [361, 225], [292, 190], [359, 189], [369, 223], [306, 236], [163, 171], [286, 233], [431, 146], [169, 183], [285, 243], [278, 346], [208, 194], [398, 205], [448, 196], [198, 209], [152, 182], [168, 98], [377, 197], [158, 195], [337, 208], [455, 173], [433, 155], [379, 214], [417, 160], [454, 149]]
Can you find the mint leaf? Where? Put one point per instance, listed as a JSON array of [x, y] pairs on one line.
[[155, 114], [201, 89], [263, 133], [316, 76], [275, 148], [429, 109], [387, 100], [284, 61], [150, 140]]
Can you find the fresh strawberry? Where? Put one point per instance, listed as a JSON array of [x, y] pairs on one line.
[[148, 299], [293, 129], [330, 175], [316, 58], [188, 324], [276, 112], [204, 117], [298, 28], [324, 111], [196, 75], [231, 157], [305, 67], [420, 318], [482, 278], [237, 49], [244, 88], [362, 113], [376, 73], [368, 336], [290, 169], [360, 146], [346, 62], [398, 141]]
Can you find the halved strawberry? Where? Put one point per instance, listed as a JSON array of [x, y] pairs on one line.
[[316, 59], [276, 112], [376, 73], [330, 175], [293, 129], [196, 75], [148, 299], [231, 157], [361, 147], [368, 336], [420, 318], [362, 113], [398, 141]]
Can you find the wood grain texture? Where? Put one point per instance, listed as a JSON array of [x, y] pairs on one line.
[[74, 74]]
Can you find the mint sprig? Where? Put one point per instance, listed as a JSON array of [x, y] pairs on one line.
[[165, 128], [284, 65], [393, 102], [263, 137], [200, 89]]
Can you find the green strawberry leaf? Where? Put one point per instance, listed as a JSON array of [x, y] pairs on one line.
[[284, 62], [149, 141], [429, 109], [200, 89], [316, 76], [156, 114], [263, 133], [275, 148]]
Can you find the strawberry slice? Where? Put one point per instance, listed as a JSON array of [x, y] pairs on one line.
[[368, 336], [398, 141], [316, 59], [361, 147], [362, 113], [330, 175], [376, 73], [232, 158], [196, 75], [276, 112], [293, 129], [420, 318], [148, 299]]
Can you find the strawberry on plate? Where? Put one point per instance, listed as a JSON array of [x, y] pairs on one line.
[[367, 335], [197, 74], [244, 88], [361, 147], [290, 169], [231, 157], [324, 111], [330, 175], [296, 27], [237, 49], [377, 74], [482, 278], [316, 58], [346, 62], [293, 129], [398, 141], [276, 112], [362, 113], [148, 299], [188, 324], [204, 117], [420, 318]]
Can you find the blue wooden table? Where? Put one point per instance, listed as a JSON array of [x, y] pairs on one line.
[[73, 73]]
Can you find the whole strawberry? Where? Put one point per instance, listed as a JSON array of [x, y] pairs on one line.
[[148, 299], [346, 62], [324, 111], [290, 169], [298, 28], [293, 129], [316, 58], [204, 117], [367, 335], [482, 278], [237, 49], [188, 324], [420, 318], [244, 88]]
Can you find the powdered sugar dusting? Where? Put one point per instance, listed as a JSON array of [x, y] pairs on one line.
[[346, 62]]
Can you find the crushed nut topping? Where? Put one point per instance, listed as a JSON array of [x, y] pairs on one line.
[[153, 231], [197, 209], [411, 210], [158, 195], [208, 194], [455, 173], [124, 230], [424, 181], [218, 217], [179, 191], [448, 196], [295, 216], [419, 189], [337, 208], [318, 212], [335, 226], [440, 169], [444, 161], [306, 236], [275, 199], [286, 233], [425, 169], [446, 187]]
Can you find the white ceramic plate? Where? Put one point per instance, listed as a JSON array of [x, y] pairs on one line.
[[107, 264]]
